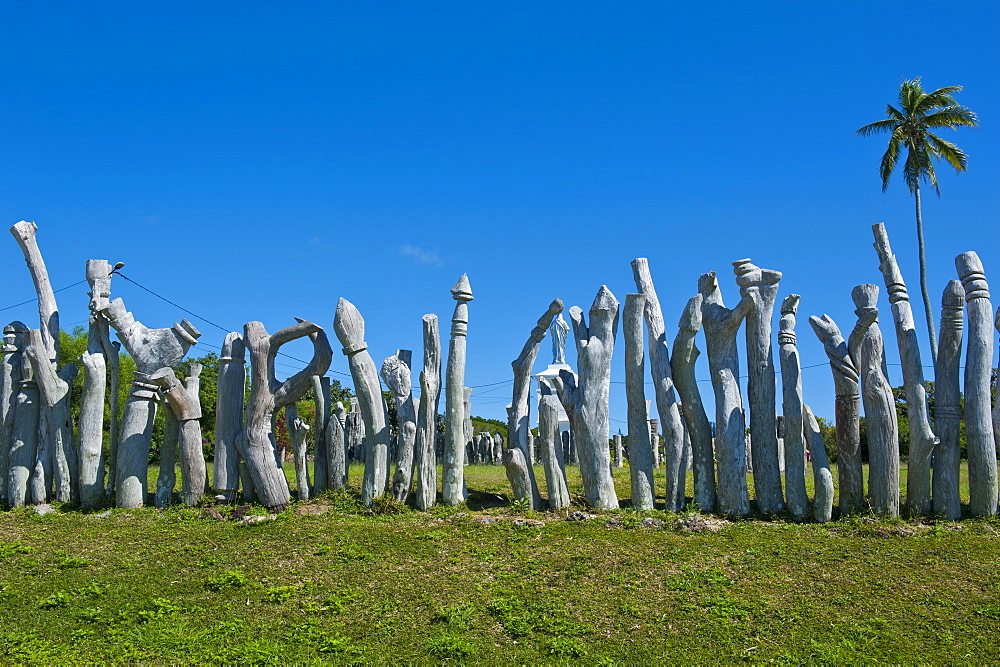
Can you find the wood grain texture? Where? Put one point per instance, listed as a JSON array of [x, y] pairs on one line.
[[230, 395], [640, 454], [430, 390], [551, 447], [396, 375], [456, 435], [791, 409], [822, 477], [947, 410]]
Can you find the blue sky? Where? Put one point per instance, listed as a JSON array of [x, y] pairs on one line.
[[259, 160]]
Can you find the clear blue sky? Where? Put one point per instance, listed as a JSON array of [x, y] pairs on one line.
[[259, 160]]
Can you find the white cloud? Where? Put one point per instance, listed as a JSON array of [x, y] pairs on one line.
[[419, 255]]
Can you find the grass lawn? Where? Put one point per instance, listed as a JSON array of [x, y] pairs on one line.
[[331, 581]]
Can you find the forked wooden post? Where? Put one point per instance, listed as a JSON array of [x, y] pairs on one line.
[[868, 353], [947, 410]]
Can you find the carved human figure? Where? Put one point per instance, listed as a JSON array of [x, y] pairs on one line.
[[559, 331], [396, 375], [184, 402], [922, 438], [453, 463], [518, 412], [268, 395], [848, 413], [791, 409], [350, 329], [298, 429], [430, 390], [721, 326], [760, 384], [947, 410], [978, 365], [10, 384], [867, 352], [667, 404], [21, 417], [640, 464], [585, 399], [682, 363]]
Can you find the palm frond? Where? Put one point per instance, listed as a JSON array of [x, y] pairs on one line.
[[952, 116], [890, 157], [910, 93], [938, 98], [951, 153], [879, 126]]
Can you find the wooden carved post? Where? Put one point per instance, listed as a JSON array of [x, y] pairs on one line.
[[298, 429], [822, 477], [516, 468], [10, 385], [947, 411], [663, 385], [552, 459], [721, 326], [760, 384], [268, 395], [496, 452], [619, 451], [396, 375], [640, 465], [848, 414], [791, 408], [682, 362], [350, 328], [518, 413], [229, 415], [430, 390], [321, 401], [586, 399], [453, 484], [336, 439], [867, 352], [996, 407], [95, 364], [185, 404], [922, 439], [354, 429], [22, 415], [978, 364], [167, 478], [152, 349]]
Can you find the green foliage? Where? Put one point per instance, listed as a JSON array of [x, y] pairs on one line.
[[489, 425]]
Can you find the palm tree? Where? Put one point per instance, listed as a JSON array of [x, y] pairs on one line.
[[911, 126]]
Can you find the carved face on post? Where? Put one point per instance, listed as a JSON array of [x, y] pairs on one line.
[[99, 279]]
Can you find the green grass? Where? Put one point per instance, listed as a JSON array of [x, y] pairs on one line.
[[390, 585]]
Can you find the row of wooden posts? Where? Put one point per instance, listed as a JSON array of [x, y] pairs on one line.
[[43, 457]]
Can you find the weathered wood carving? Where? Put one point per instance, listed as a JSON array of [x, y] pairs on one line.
[[947, 411], [822, 477], [184, 403], [453, 483], [640, 454], [396, 375], [551, 446], [231, 392], [430, 390], [791, 410]]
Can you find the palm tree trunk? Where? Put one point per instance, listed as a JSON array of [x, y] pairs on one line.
[[923, 275]]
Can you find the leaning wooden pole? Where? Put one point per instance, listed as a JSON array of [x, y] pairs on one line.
[[848, 414], [430, 390], [791, 409], [947, 407], [518, 413], [350, 329], [978, 366], [667, 405], [640, 453], [760, 384], [822, 477], [922, 438], [453, 465]]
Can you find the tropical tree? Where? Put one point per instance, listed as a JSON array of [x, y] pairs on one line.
[[910, 127]]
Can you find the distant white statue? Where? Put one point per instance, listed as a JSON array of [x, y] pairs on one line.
[[559, 330]]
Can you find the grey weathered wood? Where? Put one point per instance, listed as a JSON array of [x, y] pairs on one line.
[[497, 452], [396, 375], [452, 465], [978, 365], [48, 312], [430, 390], [10, 386], [321, 401], [90, 434], [640, 454], [551, 447], [231, 393], [868, 354], [519, 411], [721, 326], [619, 450], [682, 363], [354, 429], [298, 429], [22, 416], [996, 407], [185, 406], [336, 446], [660, 370], [268, 395], [922, 438], [822, 477], [848, 414], [791, 409], [517, 474], [947, 411], [166, 480], [151, 349], [760, 384], [586, 399], [350, 328], [54, 391]]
